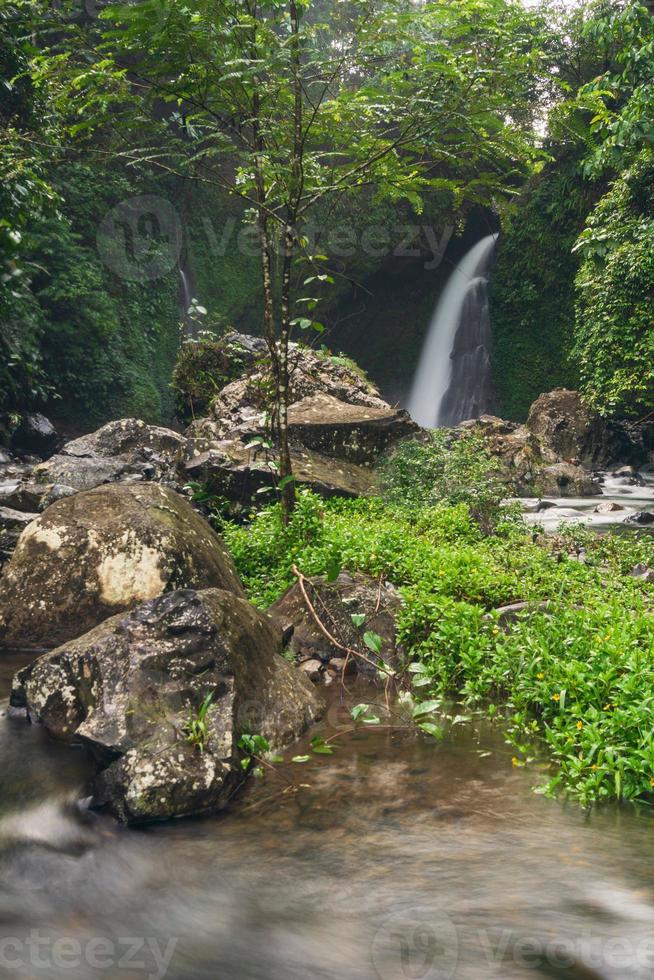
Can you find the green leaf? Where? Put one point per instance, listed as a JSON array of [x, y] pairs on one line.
[[373, 641], [300, 758], [431, 729], [358, 619]]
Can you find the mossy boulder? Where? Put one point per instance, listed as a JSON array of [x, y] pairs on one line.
[[128, 688], [92, 555]]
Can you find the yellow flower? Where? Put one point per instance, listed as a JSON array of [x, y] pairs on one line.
[[495, 630], [651, 782], [515, 762], [541, 677], [556, 697], [594, 768], [580, 725]]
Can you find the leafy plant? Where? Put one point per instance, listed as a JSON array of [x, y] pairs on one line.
[[196, 728]]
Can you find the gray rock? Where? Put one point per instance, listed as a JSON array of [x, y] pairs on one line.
[[642, 572], [35, 434], [56, 492], [357, 433], [124, 450], [128, 688], [630, 475], [95, 554], [642, 518]]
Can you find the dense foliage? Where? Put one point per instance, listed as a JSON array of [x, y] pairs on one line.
[[576, 677]]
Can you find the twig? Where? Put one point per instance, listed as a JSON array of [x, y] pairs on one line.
[[349, 651]]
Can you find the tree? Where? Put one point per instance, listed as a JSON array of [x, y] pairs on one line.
[[288, 109]]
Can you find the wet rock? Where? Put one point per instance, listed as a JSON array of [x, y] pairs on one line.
[[642, 518], [630, 475], [231, 469], [313, 669], [97, 553], [608, 507], [127, 450], [543, 505], [35, 434], [565, 480], [336, 603], [342, 665], [128, 688], [642, 572]]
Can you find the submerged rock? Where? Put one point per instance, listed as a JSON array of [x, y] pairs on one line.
[[128, 688], [608, 507], [103, 551], [642, 572], [335, 603]]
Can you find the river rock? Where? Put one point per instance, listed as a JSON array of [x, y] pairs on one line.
[[608, 507], [103, 551], [35, 434], [128, 688], [12, 524], [336, 602], [565, 428], [127, 450], [565, 480], [629, 475], [642, 518]]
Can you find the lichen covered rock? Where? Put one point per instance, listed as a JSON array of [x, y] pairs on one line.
[[124, 450], [128, 688], [97, 553]]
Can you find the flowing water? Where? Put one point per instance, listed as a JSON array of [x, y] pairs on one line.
[[396, 858], [453, 379], [583, 510]]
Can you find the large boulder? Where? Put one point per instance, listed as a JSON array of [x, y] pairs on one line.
[[566, 429], [97, 553], [564, 480], [127, 450], [238, 471], [241, 403], [129, 687], [335, 603], [357, 433]]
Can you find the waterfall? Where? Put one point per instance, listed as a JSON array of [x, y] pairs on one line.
[[452, 381]]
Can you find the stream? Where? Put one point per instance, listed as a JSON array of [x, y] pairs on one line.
[[582, 510], [395, 858]]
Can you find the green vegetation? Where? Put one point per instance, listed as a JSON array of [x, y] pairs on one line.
[[574, 677], [196, 728], [444, 469]]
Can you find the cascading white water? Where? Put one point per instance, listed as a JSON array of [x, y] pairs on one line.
[[464, 300]]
